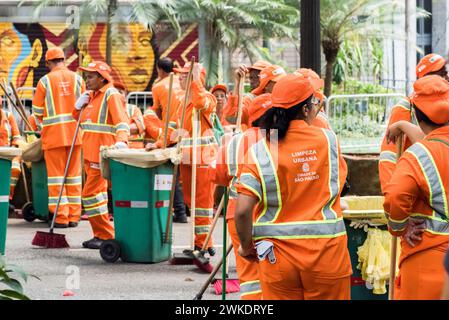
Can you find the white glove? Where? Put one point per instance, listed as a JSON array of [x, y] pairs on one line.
[[82, 101], [120, 145]]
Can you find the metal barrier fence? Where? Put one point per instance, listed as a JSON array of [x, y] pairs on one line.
[[360, 120], [142, 99]]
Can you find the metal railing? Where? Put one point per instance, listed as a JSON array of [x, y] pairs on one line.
[[360, 120], [142, 99]]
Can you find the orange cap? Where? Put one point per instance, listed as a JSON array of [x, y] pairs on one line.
[[270, 73], [260, 65], [431, 96], [259, 106], [430, 63], [101, 67], [54, 53], [186, 69], [292, 89], [314, 77], [219, 86]]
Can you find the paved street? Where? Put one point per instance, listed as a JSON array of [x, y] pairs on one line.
[[101, 280]]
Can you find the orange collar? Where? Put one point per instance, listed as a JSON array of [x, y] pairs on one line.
[[57, 68], [443, 131], [298, 124]]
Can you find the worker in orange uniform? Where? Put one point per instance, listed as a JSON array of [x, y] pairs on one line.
[[416, 198], [231, 109], [288, 214], [53, 101], [10, 137], [104, 123], [220, 92], [431, 64], [136, 122], [200, 108]]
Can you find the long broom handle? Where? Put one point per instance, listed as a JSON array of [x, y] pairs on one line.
[[19, 101], [394, 239], [214, 223], [167, 112], [178, 149], [193, 182], [66, 170], [212, 275], [225, 238], [25, 182], [25, 120], [239, 105]]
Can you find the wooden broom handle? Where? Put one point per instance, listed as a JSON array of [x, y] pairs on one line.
[[240, 105], [214, 223], [167, 112]]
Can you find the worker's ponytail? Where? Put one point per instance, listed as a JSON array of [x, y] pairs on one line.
[[278, 119]]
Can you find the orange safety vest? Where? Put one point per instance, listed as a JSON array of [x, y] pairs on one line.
[[9, 131]]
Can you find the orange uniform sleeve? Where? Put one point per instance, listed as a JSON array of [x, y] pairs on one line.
[[387, 160], [39, 100], [14, 129], [249, 182], [156, 98], [119, 117], [33, 123], [202, 99], [401, 193], [231, 109], [153, 125]]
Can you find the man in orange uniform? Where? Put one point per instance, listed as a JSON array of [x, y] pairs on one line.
[[104, 123], [220, 92], [53, 102], [291, 188], [416, 198], [9, 137], [199, 111], [231, 109], [136, 122], [428, 65]]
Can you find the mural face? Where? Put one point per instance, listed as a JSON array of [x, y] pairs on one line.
[[134, 51]]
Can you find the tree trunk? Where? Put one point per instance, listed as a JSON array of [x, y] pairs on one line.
[[331, 46], [112, 7], [329, 78]]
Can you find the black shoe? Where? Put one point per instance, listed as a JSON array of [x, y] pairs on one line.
[[61, 225], [211, 251], [94, 243], [73, 224], [11, 208], [180, 219]]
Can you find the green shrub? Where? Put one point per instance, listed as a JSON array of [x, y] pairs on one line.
[[10, 287]]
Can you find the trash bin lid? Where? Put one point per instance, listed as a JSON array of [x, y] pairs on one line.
[[9, 153]]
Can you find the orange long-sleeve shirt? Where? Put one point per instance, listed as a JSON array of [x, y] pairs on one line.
[[153, 126], [36, 125], [53, 102], [387, 160], [231, 109], [9, 131], [103, 120], [135, 116], [419, 188]]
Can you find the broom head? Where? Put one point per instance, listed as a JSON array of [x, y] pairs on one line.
[[184, 258], [202, 262], [232, 285], [50, 240]]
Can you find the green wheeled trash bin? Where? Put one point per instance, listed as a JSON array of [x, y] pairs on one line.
[[141, 184], [38, 208], [6, 156], [368, 208]]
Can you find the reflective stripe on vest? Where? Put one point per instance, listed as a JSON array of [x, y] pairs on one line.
[[38, 123], [149, 112], [404, 103], [334, 181], [250, 287], [49, 103], [233, 154], [78, 83], [98, 128], [272, 201], [122, 126], [8, 127], [300, 230], [103, 114], [388, 156], [172, 125], [59, 119], [200, 142], [204, 213], [250, 182]]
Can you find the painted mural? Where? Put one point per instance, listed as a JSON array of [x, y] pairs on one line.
[[134, 54]]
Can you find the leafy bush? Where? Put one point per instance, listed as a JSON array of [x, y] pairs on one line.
[[353, 86], [10, 287]]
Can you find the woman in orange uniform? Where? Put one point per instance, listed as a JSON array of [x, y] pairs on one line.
[[416, 198], [288, 212]]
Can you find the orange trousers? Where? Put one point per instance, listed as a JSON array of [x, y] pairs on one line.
[[246, 270], [70, 205], [283, 280], [204, 200], [421, 275], [95, 201], [16, 169]]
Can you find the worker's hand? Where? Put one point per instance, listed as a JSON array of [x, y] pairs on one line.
[[120, 145], [241, 72], [150, 146], [394, 131], [82, 101], [249, 254], [196, 72], [415, 229], [360, 224]]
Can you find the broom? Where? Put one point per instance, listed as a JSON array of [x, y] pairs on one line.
[[199, 259], [51, 239], [394, 240], [19, 110], [185, 257]]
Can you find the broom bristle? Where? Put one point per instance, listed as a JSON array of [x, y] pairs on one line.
[[50, 240], [206, 267], [232, 285]]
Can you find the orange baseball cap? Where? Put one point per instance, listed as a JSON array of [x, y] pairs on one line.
[[259, 106], [260, 65], [430, 63], [313, 76], [270, 73], [293, 89], [186, 69], [219, 86], [54, 53], [101, 67], [431, 96]]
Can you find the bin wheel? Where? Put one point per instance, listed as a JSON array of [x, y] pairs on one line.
[[28, 212], [110, 251]]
